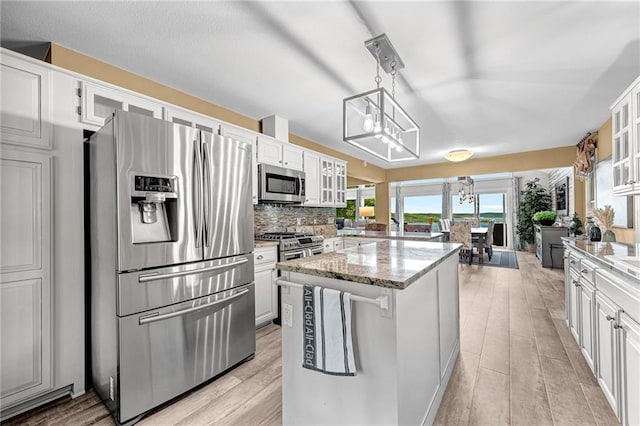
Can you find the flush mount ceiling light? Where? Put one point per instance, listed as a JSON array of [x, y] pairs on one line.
[[458, 155], [374, 121]]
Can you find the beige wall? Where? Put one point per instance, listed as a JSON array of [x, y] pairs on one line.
[[359, 171], [623, 235]]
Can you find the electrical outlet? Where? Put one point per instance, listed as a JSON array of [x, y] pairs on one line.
[[287, 314]]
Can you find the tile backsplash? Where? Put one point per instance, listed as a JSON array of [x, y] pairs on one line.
[[317, 220]]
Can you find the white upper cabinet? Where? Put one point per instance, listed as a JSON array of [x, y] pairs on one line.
[[276, 153], [25, 104], [99, 102], [625, 133], [269, 151], [189, 118], [327, 181], [312, 178], [341, 183], [292, 157], [242, 134]]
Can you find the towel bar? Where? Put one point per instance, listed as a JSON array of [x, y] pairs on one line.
[[380, 301]]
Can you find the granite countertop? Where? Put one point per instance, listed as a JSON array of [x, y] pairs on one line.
[[390, 263], [620, 257], [392, 235], [258, 243]]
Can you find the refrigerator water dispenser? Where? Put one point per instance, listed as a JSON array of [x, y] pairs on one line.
[[153, 209]]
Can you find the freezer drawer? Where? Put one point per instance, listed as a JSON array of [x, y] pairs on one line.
[[143, 290], [166, 352]]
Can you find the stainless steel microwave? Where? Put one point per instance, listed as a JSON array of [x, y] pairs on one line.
[[279, 185]]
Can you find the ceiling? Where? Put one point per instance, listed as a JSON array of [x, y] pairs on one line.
[[493, 77]]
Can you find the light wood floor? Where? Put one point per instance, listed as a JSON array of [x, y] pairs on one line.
[[518, 365]]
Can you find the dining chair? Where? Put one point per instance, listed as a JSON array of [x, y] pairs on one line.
[[488, 241], [417, 227], [375, 227], [461, 233]]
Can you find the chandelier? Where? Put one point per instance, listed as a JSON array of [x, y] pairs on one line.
[[466, 195], [374, 121]]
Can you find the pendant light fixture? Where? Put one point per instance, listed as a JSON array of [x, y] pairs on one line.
[[464, 195], [374, 121]]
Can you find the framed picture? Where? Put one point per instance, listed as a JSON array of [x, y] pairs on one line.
[[562, 197]]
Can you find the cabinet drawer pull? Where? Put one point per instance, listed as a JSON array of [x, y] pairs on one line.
[[616, 325], [574, 282], [572, 261], [584, 271], [610, 318], [259, 257]]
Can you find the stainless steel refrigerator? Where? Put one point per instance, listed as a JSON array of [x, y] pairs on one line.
[[172, 293]]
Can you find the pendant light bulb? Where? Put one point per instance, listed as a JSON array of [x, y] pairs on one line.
[[368, 119], [377, 128]]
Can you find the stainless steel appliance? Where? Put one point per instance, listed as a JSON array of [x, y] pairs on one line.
[[172, 293], [294, 245], [279, 185]]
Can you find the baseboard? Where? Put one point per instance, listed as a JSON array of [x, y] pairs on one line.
[[7, 413]]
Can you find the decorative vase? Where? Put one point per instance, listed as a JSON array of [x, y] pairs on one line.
[[609, 236], [595, 234], [547, 222]]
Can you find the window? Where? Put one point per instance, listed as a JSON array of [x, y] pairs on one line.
[[422, 208], [348, 212], [491, 207], [465, 210]]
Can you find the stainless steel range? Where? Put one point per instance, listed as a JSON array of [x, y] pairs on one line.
[[294, 245]]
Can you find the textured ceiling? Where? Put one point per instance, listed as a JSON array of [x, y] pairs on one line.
[[494, 77]]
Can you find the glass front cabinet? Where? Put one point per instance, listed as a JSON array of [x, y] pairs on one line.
[[625, 137]]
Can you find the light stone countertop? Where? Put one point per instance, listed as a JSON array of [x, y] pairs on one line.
[[390, 263], [392, 235], [618, 257]]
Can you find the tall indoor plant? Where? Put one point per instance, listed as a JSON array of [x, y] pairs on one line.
[[533, 198]]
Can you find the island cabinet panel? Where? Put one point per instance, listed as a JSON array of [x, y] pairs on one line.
[[449, 312], [404, 357]]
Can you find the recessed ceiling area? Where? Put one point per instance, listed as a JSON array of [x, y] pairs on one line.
[[491, 77]]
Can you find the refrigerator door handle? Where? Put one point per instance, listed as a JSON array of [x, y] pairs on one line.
[[206, 195], [158, 277], [197, 191], [156, 317]]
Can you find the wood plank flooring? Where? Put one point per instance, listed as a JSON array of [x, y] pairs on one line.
[[518, 364]]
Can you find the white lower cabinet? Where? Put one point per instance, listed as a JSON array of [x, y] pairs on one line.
[[630, 368], [607, 349], [266, 292], [338, 243], [586, 294], [601, 317], [25, 277]]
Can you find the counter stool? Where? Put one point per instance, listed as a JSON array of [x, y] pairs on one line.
[[556, 246]]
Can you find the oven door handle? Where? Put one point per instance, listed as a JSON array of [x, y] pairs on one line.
[[293, 253], [155, 317], [157, 277]]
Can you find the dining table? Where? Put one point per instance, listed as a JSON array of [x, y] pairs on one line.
[[478, 236]]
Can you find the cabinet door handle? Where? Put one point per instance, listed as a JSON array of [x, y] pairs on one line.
[[572, 261], [259, 257], [610, 318], [616, 325], [574, 282], [584, 271]]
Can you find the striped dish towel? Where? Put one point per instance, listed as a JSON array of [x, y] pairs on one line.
[[326, 319]]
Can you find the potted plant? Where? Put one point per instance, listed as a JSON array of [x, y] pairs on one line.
[[545, 217], [534, 198]]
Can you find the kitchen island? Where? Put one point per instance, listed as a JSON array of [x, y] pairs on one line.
[[405, 347]]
